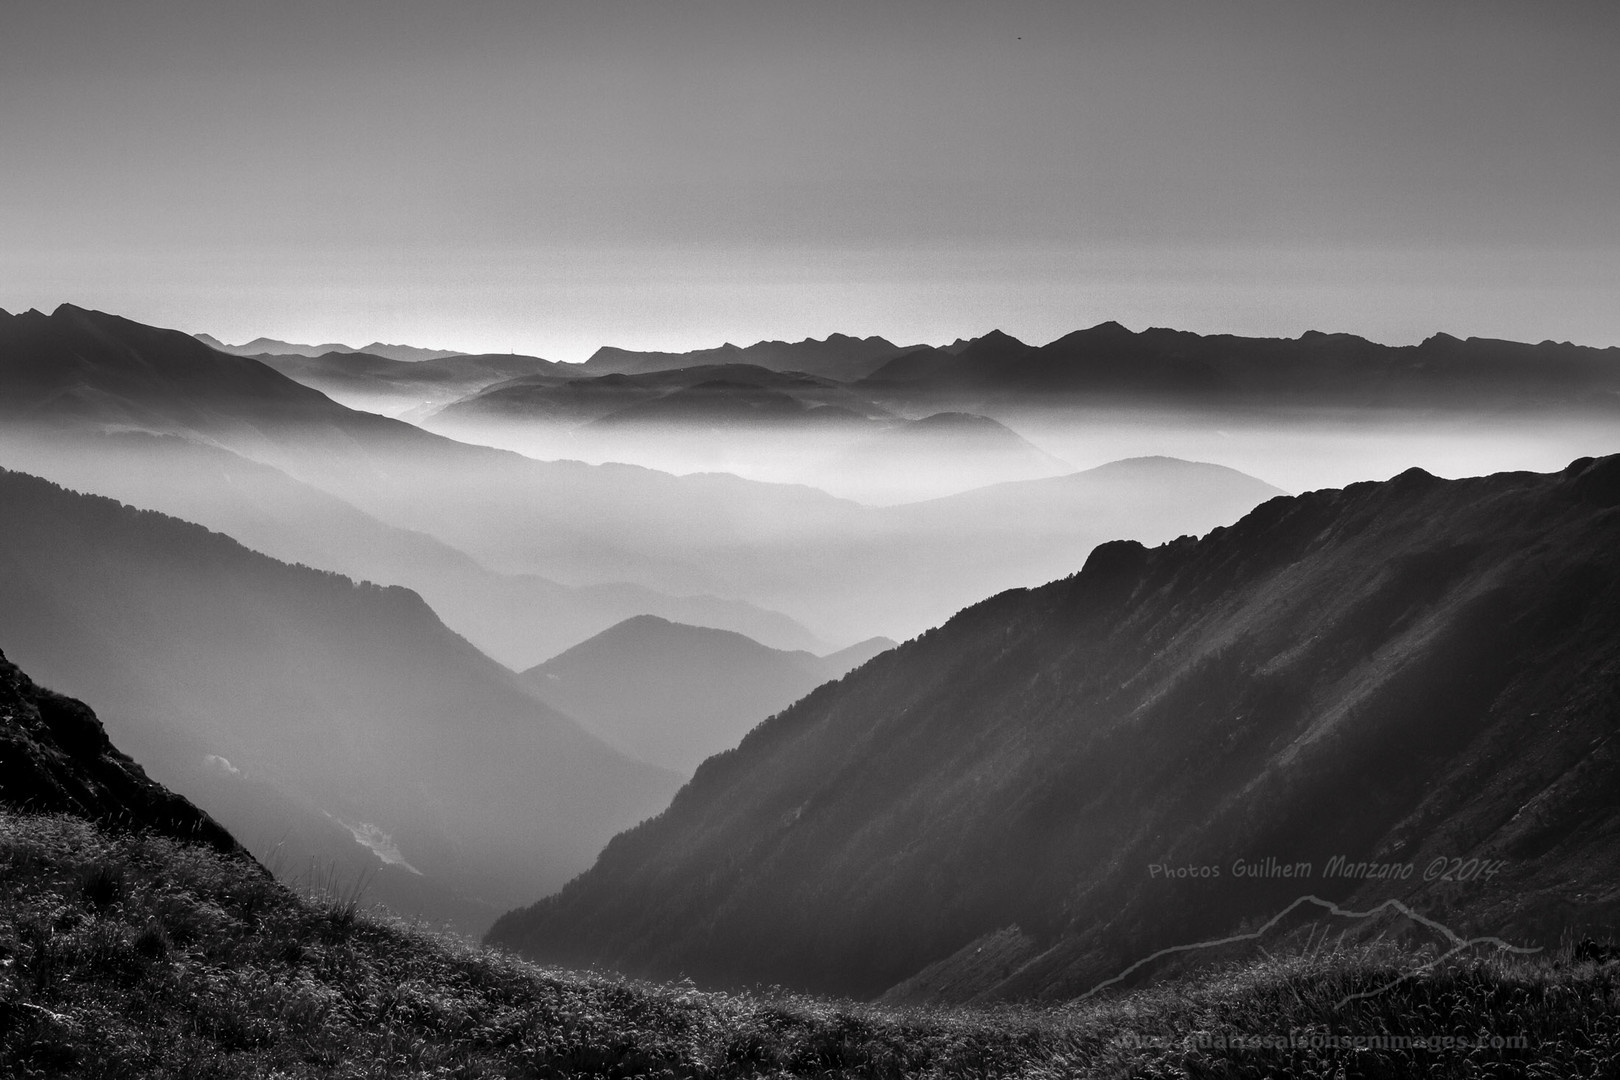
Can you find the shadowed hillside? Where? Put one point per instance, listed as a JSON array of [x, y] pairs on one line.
[[340, 721], [1390, 674], [55, 758], [126, 952]]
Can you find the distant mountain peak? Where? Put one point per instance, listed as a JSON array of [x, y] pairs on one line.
[[997, 344], [958, 421], [997, 337]]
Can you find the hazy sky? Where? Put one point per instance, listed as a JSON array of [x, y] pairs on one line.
[[551, 177]]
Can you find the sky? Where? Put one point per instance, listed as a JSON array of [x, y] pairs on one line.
[[551, 177]]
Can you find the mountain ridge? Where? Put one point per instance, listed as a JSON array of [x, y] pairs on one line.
[[837, 356], [1110, 362], [1387, 672], [267, 346]]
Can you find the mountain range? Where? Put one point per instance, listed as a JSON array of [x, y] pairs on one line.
[[838, 356], [338, 719], [1174, 745], [842, 570], [264, 346], [673, 695], [1109, 363], [1313, 411]]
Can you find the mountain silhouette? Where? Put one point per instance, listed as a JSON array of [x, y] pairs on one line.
[[1110, 364], [262, 346], [673, 695], [303, 709], [838, 356], [55, 758], [1415, 672], [85, 365], [270, 347]]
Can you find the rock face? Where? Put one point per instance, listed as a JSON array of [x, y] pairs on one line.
[[55, 757], [1418, 672]]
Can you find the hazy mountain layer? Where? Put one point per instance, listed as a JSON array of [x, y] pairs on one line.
[[77, 370], [845, 571], [55, 758], [673, 695], [338, 721], [393, 386], [961, 451], [726, 390], [1413, 674], [517, 619]]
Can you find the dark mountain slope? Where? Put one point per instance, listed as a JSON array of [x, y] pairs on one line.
[[85, 365], [673, 695], [87, 370], [300, 706], [1401, 672], [55, 758]]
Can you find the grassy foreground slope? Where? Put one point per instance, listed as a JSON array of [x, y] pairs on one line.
[[127, 954]]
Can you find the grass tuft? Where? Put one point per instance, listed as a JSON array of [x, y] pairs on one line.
[[102, 885]]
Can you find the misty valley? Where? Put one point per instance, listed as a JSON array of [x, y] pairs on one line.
[[820, 707]]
